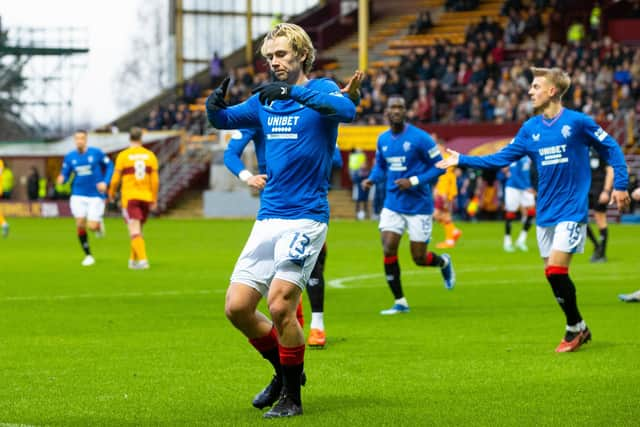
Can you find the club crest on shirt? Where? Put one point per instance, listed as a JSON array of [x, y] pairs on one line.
[[406, 146], [536, 137], [384, 148], [566, 131], [90, 159]]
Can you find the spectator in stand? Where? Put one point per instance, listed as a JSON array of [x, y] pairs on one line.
[[422, 24], [191, 91], [216, 69]]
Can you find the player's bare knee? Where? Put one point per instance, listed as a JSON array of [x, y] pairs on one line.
[[236, 313], [280, 311]]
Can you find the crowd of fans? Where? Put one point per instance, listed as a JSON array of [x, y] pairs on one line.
[[486, 79]]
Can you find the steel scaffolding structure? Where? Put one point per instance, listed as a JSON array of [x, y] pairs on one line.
[[51, 60]]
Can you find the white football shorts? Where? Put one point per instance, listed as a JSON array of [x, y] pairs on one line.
[[566, 236], [515, 198], [418, 226], [91, 208], [285, 249]]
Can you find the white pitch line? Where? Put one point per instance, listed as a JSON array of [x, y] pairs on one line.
[[16, 425], [339, 282], [119, 295]]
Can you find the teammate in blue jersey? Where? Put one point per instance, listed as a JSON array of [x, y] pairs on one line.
[[92, 171], [406, 158], [519, 195], [298, 118], [558, 142], [315, 286]]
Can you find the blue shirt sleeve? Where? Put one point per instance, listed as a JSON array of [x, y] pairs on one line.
[[66, 168], [329, 102], [379, 170], [234, 150], [336, 161], [431, 155], [609, 150], [502, 158], [243, 115]]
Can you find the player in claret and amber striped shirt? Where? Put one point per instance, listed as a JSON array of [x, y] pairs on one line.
[[137, 168]]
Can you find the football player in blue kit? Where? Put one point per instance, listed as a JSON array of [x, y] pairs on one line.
[[558, 141], [405, 159], [233, 162], [92, 170], [298, 118], [519, 195]]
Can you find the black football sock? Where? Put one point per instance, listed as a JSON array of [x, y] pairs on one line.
[[527, 223], [84, 240], [604, 234], [392, 272], [268, 348], [507, 227], [315, 287], [292, 361], [565, 293], [434, 260], [592, 236]]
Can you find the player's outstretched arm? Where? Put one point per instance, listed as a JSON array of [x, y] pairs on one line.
[[323, 101], [222, 116], [621, 199], [452, 160]]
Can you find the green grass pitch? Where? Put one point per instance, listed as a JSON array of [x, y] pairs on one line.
[[107, 346]]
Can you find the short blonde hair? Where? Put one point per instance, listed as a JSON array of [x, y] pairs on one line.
[[298, 39], [557, 77]]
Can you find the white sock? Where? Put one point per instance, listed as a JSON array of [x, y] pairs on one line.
[[402, 301], [522, 238], [575, 328], [317, 321], [507, 240]]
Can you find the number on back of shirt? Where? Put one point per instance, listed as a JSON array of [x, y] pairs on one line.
[[140, 169]]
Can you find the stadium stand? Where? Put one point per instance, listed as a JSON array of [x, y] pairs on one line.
[[461, 62]]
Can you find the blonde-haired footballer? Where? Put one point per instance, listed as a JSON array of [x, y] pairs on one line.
[[137, 167]]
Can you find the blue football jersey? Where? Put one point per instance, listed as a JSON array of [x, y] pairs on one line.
[[89, 168], [520, 174], [410, 153], [559, 148], [300, 139]]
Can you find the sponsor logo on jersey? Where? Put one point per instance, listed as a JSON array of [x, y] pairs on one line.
[[433, 153], [283, 124], [553, 155], [83, 170], [536, 137], [397, 163]]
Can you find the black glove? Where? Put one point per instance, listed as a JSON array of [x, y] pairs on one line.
[[215, 101], [269, 92]]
